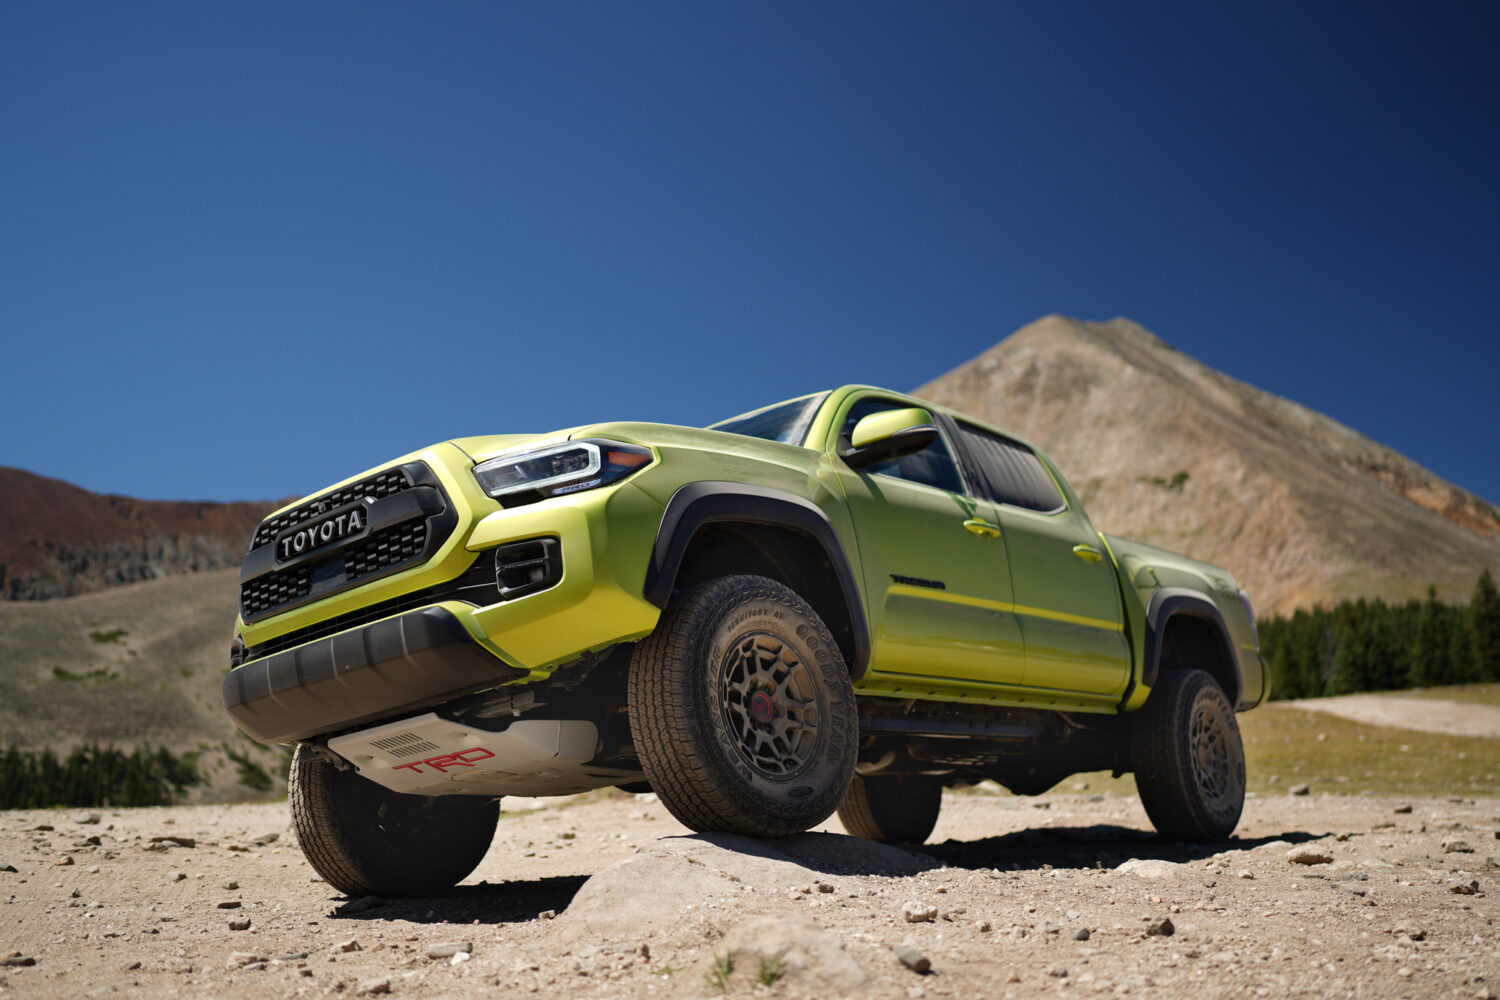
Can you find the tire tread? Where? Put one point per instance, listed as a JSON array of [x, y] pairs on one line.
[[666, 728], [872, 812], [352, 855], [1163, 771]]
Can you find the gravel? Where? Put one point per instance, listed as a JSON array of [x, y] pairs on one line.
[[1018, 887]]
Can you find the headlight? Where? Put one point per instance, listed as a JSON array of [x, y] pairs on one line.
[[528, 476]]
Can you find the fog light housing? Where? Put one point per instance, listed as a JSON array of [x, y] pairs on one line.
[[523, 568]]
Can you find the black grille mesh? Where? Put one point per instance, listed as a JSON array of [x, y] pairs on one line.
[[475, 586], [275, 588], [381, 484], [385, 548]]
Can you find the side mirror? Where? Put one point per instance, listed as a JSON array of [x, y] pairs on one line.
[[889, 434]]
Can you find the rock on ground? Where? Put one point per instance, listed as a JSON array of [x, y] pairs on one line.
[[794, 947], [628, 898]]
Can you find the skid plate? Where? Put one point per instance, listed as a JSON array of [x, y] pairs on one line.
[[429, 755]]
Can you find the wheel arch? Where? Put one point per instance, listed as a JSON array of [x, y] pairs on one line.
[[710, 528], [1185, 629]]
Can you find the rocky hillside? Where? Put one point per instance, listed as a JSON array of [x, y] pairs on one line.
[[58, 540], [1164, 449]]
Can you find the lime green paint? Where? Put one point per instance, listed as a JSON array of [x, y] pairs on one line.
[[977, 602], [910, 531], [1135, 600], [966, 600], [888, 685], [606, 540], [879, 426], [1070, 609]]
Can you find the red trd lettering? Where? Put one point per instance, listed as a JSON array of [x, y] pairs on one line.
[[463, 758]]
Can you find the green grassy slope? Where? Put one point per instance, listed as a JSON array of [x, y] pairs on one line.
[[136, 664]]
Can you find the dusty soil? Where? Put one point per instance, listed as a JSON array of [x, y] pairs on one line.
[[1016, 897], [1428, 715]]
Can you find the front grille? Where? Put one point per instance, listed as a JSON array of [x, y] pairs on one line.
[[406, 513], [475, 586], [382, 484], [274, 589], [387, 548]]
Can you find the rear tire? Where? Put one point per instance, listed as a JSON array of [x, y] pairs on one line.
[[1189, 759], [892, 810], [742, 711], [366, 840]]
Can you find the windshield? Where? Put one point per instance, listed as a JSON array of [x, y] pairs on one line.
[[785, 422]]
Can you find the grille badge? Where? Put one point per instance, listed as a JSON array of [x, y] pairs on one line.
[[349, 521]]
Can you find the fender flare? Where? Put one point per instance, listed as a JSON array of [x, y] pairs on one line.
[[709, 502], [1170, 602]]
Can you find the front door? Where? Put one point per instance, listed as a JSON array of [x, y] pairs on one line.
[[934, 566]]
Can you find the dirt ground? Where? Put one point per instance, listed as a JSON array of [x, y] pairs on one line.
[[605, 896], [1429, 715]]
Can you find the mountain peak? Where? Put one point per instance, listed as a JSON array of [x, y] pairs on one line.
[[1299, 506], [1107, 333]]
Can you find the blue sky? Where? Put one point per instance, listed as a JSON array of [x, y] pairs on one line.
[[249, 249]]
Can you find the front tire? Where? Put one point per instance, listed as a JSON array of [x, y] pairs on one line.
[[892, 810], [1189, 759], [742, 711], [366, 840]]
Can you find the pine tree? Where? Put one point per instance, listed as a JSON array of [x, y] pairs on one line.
[[1351, 650], [1484, 611], [1388, 657], [1463, 665], [1429, 648], [1280, 665]]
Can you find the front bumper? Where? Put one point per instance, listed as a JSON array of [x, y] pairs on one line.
[[303, 681], [412, 661]]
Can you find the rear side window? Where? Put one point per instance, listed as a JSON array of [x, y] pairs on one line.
[[932, 466], [1012, 472]]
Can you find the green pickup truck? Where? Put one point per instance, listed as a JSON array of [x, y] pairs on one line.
[[846, 601]]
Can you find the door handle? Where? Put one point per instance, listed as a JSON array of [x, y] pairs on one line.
[[1088, 553], [982, 528]]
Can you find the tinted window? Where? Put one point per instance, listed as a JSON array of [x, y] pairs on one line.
[[784, 422], [1012, 471], [933, 465]]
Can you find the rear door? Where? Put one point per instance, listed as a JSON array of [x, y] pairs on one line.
[[1066, 592], [933, 563]]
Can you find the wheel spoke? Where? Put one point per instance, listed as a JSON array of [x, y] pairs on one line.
[[769, 704], [1209, 753]]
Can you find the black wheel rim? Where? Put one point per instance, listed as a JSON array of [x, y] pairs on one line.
[[1209, 749], [770, 705]]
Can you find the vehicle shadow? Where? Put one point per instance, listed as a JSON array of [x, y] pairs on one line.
[[488, 902], [833, 854], [1099, 846]]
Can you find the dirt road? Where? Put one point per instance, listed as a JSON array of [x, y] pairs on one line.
[[603, 898], [1429, 715]]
